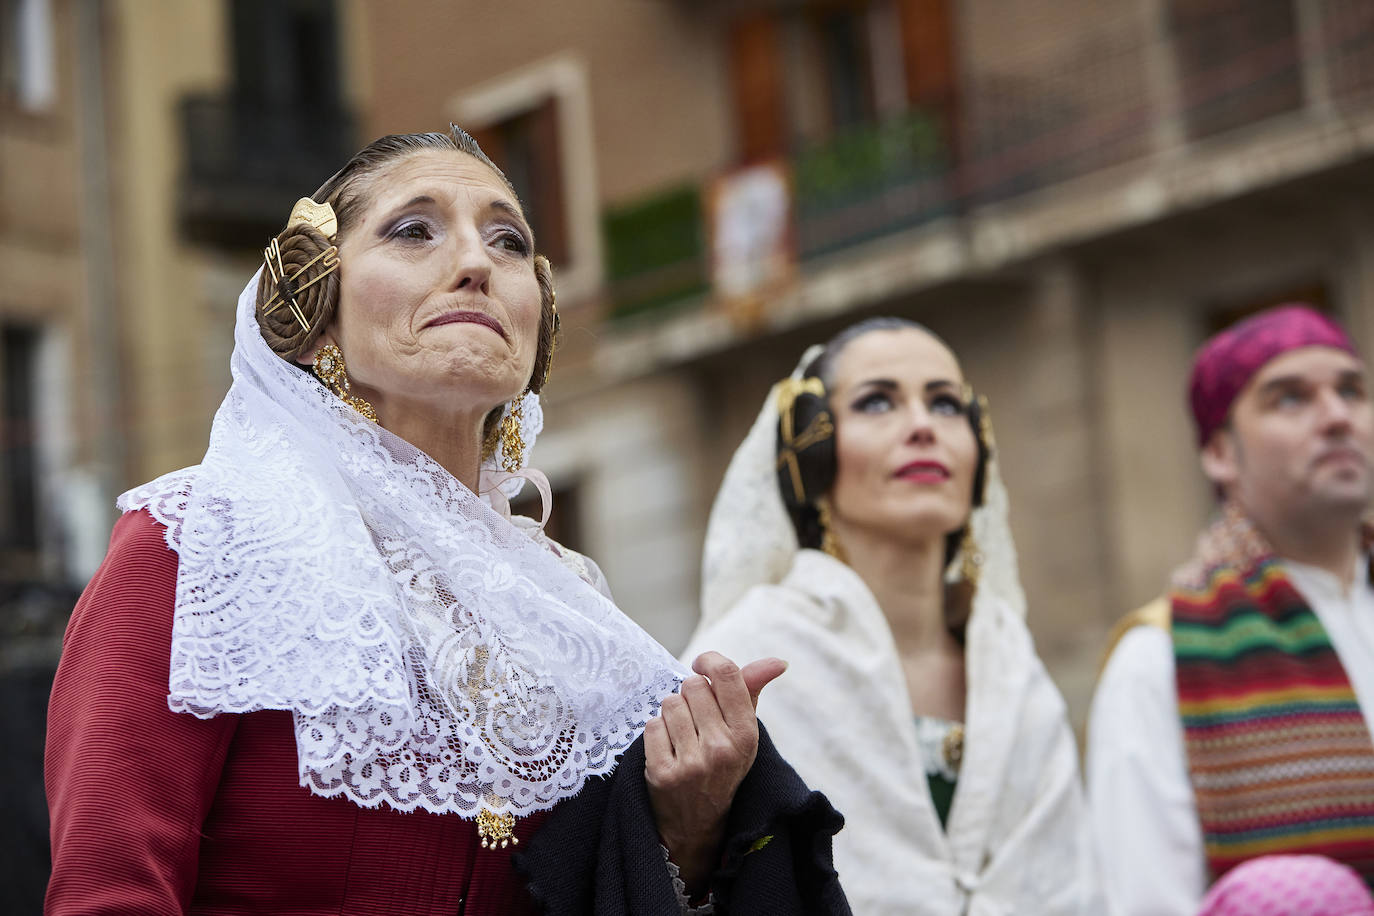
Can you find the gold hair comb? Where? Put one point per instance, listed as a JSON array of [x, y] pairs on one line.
[[818, 430], [320, 217]]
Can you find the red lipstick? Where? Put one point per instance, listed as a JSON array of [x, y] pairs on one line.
[[923, 472]]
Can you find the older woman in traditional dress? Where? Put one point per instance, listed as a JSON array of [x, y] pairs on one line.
[[861, 533], [324, 671]]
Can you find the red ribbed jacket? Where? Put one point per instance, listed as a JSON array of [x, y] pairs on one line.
[[158, 812]]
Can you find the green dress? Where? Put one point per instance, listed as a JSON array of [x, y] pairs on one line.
[[942, 750]]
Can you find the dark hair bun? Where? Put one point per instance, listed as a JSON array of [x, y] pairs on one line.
[[299, 244]]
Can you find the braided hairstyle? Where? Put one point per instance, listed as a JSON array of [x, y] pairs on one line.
[[817, 464], [349, 192]]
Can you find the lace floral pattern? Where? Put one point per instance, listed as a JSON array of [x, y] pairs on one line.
[[434, 656]]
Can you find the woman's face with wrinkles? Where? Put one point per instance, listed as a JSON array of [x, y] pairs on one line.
[[438, 296]]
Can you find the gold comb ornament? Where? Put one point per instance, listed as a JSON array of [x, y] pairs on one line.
[[321, 218], [818, 430]]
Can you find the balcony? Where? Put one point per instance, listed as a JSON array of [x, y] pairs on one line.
[[860, 185], [1080, 135], [244, 165], [869, 181], [655, 252]]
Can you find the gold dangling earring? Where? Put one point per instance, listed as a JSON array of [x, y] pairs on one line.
[[971, 566], [829, 543], [330, 368], [512, 443]]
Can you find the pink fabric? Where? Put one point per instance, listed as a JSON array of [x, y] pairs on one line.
[[1289, 886], [1226, 363]]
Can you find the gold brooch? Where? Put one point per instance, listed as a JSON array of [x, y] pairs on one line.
[[952, 747], [496, 829]]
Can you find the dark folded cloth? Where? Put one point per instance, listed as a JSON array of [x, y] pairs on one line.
[[599, 852]]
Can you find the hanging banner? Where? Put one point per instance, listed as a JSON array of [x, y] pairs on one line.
[[749, 214]]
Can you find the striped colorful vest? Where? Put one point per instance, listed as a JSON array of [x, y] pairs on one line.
[[1279, 754]]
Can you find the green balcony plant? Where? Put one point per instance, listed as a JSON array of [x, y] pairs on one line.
[[655, 251]]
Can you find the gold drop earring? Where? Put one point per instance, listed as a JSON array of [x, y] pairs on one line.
[[829, 543], [512, 442], [971, 565], [331, 369]]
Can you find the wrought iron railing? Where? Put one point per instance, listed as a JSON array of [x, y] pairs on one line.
[[245, 164]]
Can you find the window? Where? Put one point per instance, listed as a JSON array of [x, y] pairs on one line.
[[525, 146], [807, 74], [285, 54], [279, 129], [756, 70], [847, 62], [1237, 62], [1223, 314], [27, 72], [536, 124]]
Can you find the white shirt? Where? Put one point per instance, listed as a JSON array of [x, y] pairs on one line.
[[1144, 815]]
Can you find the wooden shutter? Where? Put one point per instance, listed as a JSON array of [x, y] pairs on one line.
[[757, 72]]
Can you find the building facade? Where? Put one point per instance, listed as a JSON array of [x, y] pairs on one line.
[[134, 202], [1072, 194]]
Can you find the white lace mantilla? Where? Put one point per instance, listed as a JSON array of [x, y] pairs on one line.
[[434, 656]]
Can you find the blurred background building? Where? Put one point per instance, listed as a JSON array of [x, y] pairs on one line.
[[1073, 193]]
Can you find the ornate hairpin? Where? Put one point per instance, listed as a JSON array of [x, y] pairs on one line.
[[984, 414], [985, 424], [789, 389], [321, 218], [818, 430]]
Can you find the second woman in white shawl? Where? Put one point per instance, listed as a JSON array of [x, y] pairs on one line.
[[861, 534]]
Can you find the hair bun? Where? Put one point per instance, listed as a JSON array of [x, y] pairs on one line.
[[805, 447], [298, 245]]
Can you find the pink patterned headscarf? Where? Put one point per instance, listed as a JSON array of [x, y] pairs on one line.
[[1289, 886], [1226, 363]]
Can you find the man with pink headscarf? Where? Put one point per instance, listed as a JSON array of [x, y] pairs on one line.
[[1232, 721]]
